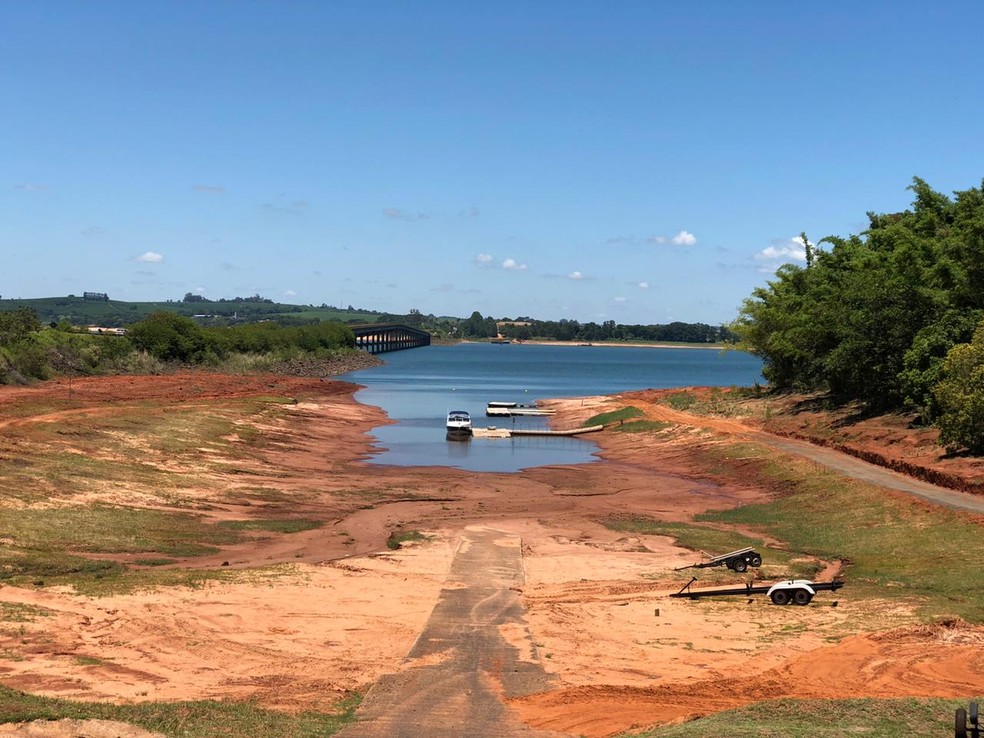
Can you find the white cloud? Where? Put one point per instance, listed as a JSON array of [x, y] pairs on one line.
[[643, 285], [781, 251], [290, 293], [784, 249], [575, 275], [217, 189], [513, 265], [151, 257], [483, 260], [31, 187], [619, 299], [685, 238], [657, 239]]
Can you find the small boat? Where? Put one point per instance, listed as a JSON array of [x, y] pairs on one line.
[[506, 409], [459, 425]]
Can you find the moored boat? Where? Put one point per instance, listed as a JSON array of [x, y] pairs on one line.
[[459, 424]]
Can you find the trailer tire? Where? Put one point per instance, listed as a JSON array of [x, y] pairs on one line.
[[739, 565], [755, 560], [780, 597], [802, 597], [960, 723]]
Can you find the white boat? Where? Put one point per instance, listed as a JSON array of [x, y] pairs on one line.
[[459, 423], [506, 409]]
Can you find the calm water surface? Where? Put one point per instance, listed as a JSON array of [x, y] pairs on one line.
[[419, 386]]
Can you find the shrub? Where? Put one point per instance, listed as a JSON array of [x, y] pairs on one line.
[[960, 396]]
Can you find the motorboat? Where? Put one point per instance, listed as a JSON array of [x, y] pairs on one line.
[[459, 424]]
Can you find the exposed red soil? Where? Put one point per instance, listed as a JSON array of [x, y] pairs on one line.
[[341, 609]]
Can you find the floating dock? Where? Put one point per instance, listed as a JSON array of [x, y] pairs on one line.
[[493, 432], [511, 409]]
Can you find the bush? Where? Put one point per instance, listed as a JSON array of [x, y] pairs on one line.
[[172, 337], [960, 396]]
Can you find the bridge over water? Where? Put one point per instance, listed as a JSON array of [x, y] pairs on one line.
[[377, 338]]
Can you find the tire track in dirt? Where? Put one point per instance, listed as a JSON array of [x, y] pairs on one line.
[[474, 653]]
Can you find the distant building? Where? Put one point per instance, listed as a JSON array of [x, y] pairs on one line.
[[106, 331]]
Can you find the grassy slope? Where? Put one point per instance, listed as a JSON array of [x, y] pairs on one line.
[[199, 719]]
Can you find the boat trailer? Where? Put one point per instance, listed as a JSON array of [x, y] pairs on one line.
[[967, 725], [797, 591], [737, 561]]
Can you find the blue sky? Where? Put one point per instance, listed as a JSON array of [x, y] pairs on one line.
[[641, 162]]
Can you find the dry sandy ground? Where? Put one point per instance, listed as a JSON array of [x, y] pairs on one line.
[[332, 610]]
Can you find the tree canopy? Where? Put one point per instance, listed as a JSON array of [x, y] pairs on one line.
[[873, 316]]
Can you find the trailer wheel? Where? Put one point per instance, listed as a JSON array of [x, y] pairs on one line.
[[802, 597], [755, 560], [739, 565], [780, 597], [960, 723]]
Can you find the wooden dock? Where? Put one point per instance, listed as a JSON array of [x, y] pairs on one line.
[[493, 432]]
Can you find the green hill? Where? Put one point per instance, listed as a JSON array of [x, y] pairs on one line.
[[79, 310]]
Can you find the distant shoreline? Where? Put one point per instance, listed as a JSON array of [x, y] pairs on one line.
[[613, 344]]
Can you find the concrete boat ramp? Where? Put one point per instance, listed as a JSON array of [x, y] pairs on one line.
[[458, 675]]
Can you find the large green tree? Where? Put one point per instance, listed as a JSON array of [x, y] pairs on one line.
[[873, 315]]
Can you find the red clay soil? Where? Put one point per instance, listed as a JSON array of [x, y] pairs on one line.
[[316, 615]]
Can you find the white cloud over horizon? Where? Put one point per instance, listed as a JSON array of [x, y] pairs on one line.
[[150, 257], [483, 260], [513, 266], [575, 275], [685, 238]]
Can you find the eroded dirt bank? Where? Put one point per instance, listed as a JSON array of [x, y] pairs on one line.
[[333, 609]]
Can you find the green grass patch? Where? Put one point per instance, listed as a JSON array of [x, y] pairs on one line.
[[895, 548], [614, 416], [396, 539], [642, 426], [154, 561], [789, 718], [111, 529], [199, 719], [18, 612], [713, 541], [49, 546], [29, 567], [680, 400]]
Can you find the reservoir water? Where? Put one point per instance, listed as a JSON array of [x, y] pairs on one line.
[[418, 387]]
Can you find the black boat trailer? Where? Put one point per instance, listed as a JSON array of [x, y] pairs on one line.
[[967, 725], [797, 591], [738, 560]]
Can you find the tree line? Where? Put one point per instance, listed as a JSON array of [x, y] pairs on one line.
[[31, 350], [893, 316]]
